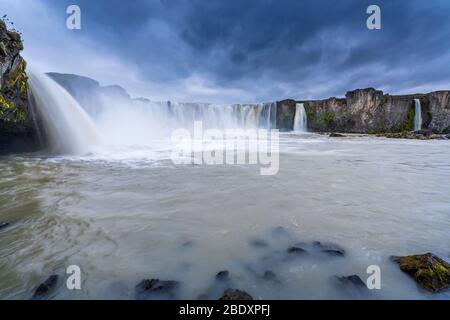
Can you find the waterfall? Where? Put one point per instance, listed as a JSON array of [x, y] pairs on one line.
[[245, 116], [67, 126], [300, 120], [128, 124], [418, 115]]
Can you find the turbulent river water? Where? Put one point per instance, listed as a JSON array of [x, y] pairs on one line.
[[131, 214]]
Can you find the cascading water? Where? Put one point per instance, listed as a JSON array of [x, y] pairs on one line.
[[67, 126], [300, 120], [418, 115], [126, 125]]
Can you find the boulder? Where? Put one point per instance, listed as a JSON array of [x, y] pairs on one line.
[[351, 281], [4, 225], [46, 288], [428, 270], [223, 275], [156, 289], [296, 250], [329, 249], [234, 294]]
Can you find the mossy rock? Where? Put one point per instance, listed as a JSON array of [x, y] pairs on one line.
[[430, 271]]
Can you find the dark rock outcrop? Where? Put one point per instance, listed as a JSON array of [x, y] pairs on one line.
[[156, 289], [352, 281], [222, 275], [234, 294], [47, 288], [430, 271], [297, 250], [329, 249], [4, 225], [17, 130], [285, 115]]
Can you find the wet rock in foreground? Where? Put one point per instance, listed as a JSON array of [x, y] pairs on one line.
[[296, 250], [234, 294], [223, 275], [46, 288], [352, 281], [156, 289], [430, 271], [4, 225], [258, 243], [330, 249]]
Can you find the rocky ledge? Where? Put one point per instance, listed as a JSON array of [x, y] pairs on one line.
[[16, 124]]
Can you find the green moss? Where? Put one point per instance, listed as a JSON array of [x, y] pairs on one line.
[[20, 115], [409, 122], [371, 130], [287, 118], [5, 104], [428, 270], [3, 49], [383, 100], [325, 120]]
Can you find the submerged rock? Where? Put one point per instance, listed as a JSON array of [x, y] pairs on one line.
[[330, 249], [280, 232], [296, 250], [430, 271], [156, 289], [234, 294], [258, 243], [46, 288], [223, 275], [336, 135], [4, 225], [269, 275], [352, 281]]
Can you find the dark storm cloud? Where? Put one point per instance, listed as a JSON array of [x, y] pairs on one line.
[[274, 49]]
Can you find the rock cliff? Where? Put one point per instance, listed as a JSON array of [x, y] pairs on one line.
[[17, 133], [370, 111]]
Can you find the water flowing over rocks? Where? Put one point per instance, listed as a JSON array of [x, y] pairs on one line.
[[428, 270], [17, 129], [234, 294], [156, 289]]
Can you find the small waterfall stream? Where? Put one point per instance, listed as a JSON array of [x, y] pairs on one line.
[[418, 115], [300, 120]]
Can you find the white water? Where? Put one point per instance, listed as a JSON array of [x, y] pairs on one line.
[[418, 116], [69, 128], [300, 120]]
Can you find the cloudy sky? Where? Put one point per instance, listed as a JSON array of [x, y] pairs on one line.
[[240, 50]]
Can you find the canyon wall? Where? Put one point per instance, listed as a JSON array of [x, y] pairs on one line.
[[370, 111], [17, 130]]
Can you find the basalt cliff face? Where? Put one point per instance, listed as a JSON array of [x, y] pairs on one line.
[[370, 111], [17, 130]]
